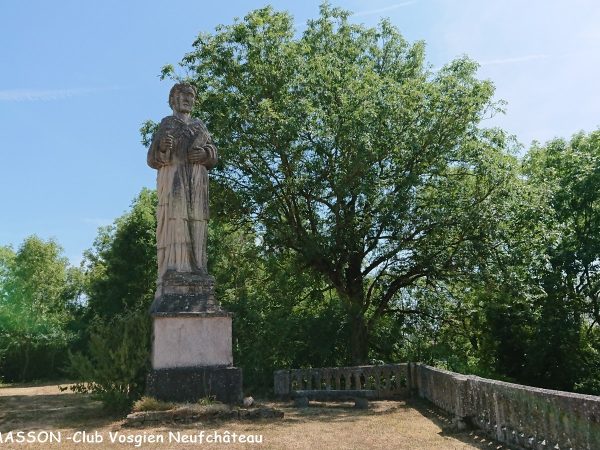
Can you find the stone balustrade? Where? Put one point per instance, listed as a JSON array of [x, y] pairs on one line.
[[521, 416], [517, 415], [387, 380]]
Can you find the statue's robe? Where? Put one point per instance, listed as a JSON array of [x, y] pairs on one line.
[[182, 196]]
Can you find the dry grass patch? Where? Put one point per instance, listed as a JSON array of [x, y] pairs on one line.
[[385, 425], [152, 404]]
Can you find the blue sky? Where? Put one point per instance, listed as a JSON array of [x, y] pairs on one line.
[[79, 78]]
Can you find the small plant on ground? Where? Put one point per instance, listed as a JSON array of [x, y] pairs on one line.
[[151, 404], [205, 401]]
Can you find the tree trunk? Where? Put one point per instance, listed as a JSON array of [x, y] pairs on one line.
[[25, 363], [359, 340]]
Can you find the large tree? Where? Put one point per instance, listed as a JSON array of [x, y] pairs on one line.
[[566, 350], [121, 266], [344, 146], [568, 173], [121, 280], [39, 296]]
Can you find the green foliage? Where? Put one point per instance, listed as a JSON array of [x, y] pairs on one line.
[[147, 130], [282, 317], [568, 173], [207, 401], [360, 213], [39, 297], [115, 368], [342, 147], [529, 313], [564, 350], [121, 280], [121, 267]]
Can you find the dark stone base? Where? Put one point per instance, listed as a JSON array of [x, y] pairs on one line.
[[188, 292], [189, 384]]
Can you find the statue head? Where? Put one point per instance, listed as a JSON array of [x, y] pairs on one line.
[[182, 97]]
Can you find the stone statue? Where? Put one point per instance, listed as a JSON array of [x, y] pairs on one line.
[[182, 151], [192, 354]]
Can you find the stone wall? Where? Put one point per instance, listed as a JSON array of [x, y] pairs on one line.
[[517, 415], [386, 381], [446, 390]]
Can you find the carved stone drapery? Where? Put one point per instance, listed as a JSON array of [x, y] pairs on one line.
[[182, 151]]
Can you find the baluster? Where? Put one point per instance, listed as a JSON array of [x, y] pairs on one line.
[[347, 381], [387, 384], [296, 380], [377, 379], [325, 379], [368, 374], [317, 379], [307, 374], [356, 374]]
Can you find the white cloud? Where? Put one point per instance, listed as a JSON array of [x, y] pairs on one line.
[[33, 95]]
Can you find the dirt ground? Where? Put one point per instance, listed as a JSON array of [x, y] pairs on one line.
[[43, 409]]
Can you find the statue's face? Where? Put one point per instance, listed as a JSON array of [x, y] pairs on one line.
[[183, 101]]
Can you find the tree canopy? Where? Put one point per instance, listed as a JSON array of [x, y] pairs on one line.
[[361, 212], [39, 298], [343, 146]]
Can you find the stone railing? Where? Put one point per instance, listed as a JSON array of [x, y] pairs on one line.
[[386, 381], [520, 416], [514, 414]]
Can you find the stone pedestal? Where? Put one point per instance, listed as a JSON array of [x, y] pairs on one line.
[[189, 384], [192, 339], [191, 343]]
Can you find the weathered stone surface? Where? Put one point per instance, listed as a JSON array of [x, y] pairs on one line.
[[194, 413], [301, 402], [281, 385], [447, 390], [185, 293], [386, 381], [361, 403], [182, 152], [189, 384], [191, 348], [334, 395], [521, 416], [191, 340]]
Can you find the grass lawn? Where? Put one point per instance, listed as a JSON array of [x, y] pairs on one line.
[[385, 425]]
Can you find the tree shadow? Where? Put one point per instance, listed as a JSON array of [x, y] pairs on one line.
[[328, 412], [338, 411], [51, 411], [473, 437]]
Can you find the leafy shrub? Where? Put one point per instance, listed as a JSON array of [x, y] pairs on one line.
[[114, 370]]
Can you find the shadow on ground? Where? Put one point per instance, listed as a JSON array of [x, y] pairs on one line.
[[45, 407], [471, 436], [48, 411], [336, 412]]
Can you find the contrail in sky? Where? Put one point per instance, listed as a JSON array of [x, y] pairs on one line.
[[380, 10], [513, 60], [33, 95]]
